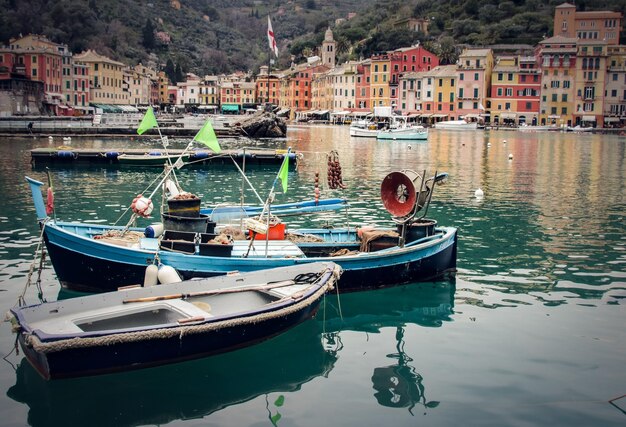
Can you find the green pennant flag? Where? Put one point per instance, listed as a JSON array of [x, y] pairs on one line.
[[148, 121], [284, 171], [207, 136]]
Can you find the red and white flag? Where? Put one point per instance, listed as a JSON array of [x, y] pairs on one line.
[[270, 37]]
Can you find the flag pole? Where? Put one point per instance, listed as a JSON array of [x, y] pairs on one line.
[[269, 68], [169, 161]]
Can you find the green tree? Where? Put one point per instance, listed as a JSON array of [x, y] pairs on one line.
[[179, 75], [149, 41], [170, 71]]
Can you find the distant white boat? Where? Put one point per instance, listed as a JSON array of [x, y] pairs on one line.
[[456, 124], [364, 129], [545, 128], [407, 133], [579, 128]]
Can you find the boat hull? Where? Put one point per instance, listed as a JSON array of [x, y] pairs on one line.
[[149, 160], [456, 125], [363, 133], [109, 358], [402, 135], [86, 265]]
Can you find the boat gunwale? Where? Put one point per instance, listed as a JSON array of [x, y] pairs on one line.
[[273, 309]]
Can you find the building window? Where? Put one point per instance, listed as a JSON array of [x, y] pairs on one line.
[[475, 77], [509, 91]]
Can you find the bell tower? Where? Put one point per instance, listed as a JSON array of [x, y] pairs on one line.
[[328, 49]]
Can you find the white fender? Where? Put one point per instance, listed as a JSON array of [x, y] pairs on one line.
[[154, 230], [151, 276], [168, 275], [171, 188]]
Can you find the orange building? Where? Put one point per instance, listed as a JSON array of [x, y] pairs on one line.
[[295, 86]]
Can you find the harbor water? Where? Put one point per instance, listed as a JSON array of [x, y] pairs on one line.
[[531, 332]]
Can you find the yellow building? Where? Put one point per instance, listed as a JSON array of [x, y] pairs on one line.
[[379, 80], [106, 78], [164, 83], [209, 93], [591, 65], [444, 89]]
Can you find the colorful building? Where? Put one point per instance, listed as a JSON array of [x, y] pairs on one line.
[[36, 58], [515, 91], [557, 60], [591, 69], [615, 101], [444, 86], [587, 25], [209, 94], [407, 59], [379, 82], [267, 84], [474, 69], [106, 78], [362, 95]]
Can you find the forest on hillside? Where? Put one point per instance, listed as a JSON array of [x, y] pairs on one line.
[[221, 36]]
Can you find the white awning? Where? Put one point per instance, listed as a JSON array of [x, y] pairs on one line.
[[425, 115], [439, 116], [589, 118], [471, 115], [554, 116], [611, 119], [321, 112], [508, 115], [340, 113]]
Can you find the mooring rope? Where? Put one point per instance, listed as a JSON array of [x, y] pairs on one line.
[[21, 301]]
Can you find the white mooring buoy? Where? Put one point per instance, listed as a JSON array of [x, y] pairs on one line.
[[479, 194]]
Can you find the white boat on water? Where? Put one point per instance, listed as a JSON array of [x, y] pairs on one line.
[[539, 128], [364, 129], [456, 124], [405, 133]]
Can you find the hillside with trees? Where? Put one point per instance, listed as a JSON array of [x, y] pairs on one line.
[[221, 36]]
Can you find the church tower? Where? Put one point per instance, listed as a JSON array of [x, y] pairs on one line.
[[328, 49]]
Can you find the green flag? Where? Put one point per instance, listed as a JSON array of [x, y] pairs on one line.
[[284, 171], [148, 121], [206, 135]]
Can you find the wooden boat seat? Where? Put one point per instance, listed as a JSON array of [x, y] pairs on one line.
[[275, 248]]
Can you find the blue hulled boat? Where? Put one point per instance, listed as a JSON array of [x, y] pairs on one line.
[[99, 258]]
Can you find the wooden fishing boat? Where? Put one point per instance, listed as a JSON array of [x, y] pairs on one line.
[[147, 326], [99, 258]]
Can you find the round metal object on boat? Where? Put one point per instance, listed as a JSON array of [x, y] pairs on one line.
[[398, 192]]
